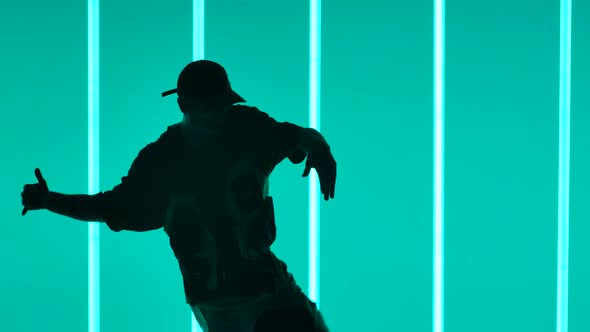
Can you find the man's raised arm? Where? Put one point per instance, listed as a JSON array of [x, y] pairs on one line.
[[309, 138]]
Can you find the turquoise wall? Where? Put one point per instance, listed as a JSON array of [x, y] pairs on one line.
[[501, 163]]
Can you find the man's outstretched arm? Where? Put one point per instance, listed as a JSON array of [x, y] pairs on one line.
[[138, 203], [122, 208], [80, 207]]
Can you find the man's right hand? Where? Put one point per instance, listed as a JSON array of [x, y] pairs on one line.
[[34, 196]]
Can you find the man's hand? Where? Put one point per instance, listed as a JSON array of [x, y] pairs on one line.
[[322, 160], [34, 196]]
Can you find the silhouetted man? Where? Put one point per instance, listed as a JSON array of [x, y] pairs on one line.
[[205, 181]]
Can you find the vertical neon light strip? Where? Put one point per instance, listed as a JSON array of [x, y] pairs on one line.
[[438, 278], [314, 121], [198, 29], [93, 165], [198, 54], [564, 164]]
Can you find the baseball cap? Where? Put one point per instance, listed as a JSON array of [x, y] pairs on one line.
[[204, 79]]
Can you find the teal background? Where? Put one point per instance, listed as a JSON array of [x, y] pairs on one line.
[[502, 165], [502, 95]]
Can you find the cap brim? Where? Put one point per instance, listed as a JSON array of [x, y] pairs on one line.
[[231, 96], [169, 92], [235, 98]]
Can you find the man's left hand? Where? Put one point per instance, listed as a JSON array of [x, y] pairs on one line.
[[322, 160]]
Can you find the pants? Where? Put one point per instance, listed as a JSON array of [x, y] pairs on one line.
[[241, 315]]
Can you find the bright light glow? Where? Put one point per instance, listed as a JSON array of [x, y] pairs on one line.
[[93, 165], [564, 165], [438, 280], [198, 54], [314, 120], [198, 29]]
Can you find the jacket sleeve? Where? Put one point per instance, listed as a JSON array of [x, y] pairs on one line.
[[139, 202], [281, 137]]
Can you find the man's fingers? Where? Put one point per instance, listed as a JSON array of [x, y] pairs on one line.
[[333, 187], [39, 176], [324, 182], [326, 171], [331, 190], [328, 181], [307, 169], [41, 180], [334, 182]]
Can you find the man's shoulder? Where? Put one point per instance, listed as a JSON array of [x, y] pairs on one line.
[[172, 130], [163, 144], [244, 108], [169, 136], [248, 112]]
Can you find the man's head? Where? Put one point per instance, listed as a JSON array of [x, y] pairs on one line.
[[203, 86]]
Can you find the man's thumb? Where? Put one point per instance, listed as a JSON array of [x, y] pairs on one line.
[[306, 170], [40, 177]]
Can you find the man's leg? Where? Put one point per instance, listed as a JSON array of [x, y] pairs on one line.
[[200, 319], [291, 319], [291, 301], [242, 316], [236, 315], [278, 312]]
